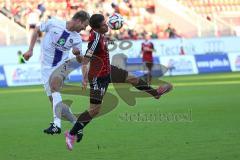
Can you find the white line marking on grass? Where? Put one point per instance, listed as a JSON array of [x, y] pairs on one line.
[[206, 77], [181, 84], [17, 90], [207, 83]]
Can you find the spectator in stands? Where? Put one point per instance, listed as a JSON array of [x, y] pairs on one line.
[[154, 36], [41, 8], [134, 35], [174, 34], [115, 7], [136, 16], [171, 32], [124, 8]]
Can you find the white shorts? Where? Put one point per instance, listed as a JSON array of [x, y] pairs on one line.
[[46, 73], [62, 70]]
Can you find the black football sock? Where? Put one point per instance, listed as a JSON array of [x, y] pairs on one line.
[[82, 121], [143, 86]]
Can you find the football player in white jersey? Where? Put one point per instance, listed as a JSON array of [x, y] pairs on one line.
[[60, 37]]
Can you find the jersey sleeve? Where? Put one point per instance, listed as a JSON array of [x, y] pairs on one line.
[[93, 45], [45, 26]]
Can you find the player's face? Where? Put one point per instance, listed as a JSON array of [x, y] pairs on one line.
[[81, 25], [103, 27]]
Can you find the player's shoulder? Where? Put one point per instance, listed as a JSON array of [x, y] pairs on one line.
[[76, 36], [94, 35], [57, 22]]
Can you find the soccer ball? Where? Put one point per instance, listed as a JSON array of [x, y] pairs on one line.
[[115, 21]]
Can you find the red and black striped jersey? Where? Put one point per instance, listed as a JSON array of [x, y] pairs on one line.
[[147, 46], [98, 53]]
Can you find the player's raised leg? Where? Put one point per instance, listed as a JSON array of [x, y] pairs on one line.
[[119, 75], [143, 86]]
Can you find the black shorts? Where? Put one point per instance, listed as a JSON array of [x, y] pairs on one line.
[[149, 65], [32, 26], [99, 85], [118, 75]]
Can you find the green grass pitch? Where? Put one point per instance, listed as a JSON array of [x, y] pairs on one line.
[[208, 129]]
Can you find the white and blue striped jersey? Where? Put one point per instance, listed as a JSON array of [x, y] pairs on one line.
[[57, 42]]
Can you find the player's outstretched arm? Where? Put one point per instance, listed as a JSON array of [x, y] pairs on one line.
[[34, 37], [85, 62]]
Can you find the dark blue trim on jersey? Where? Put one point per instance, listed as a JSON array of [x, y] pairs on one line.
[[57, 57], [58, 54]]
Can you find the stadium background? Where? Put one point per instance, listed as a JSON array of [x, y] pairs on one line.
[[203, 48]]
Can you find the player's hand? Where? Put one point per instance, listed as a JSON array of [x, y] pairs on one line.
[[75, 51], [79, 58], [28, 55]]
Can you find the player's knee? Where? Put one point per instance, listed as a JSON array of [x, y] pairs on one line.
[[54, 87], [132, 80], [94, 110], [55, 84]]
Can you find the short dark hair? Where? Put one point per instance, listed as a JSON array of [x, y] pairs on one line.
[[82, 15], [96, 20]]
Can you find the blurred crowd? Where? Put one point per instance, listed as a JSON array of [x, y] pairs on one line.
[[139, 15]]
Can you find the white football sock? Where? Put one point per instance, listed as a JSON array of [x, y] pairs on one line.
[[57, 99]]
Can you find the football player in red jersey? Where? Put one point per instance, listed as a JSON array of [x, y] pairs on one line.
[[101, 73], [147, 51]]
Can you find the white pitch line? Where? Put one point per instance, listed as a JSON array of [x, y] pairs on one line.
[[181, 84], [207, 83], [204, 77], [30, 90]]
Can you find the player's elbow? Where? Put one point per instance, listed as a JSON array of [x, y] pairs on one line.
[[56, 83], [79, 58], [36, 31], [94, 110]]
